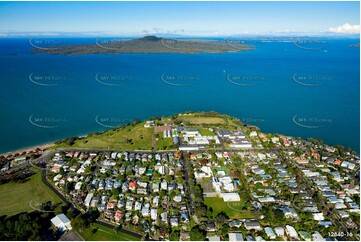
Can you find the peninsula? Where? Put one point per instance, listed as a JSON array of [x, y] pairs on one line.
[[148, 44], [191, 176]]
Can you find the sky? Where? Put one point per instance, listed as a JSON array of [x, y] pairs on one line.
[[185, 18]]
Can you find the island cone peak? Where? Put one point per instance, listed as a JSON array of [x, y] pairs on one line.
[[151, 38]]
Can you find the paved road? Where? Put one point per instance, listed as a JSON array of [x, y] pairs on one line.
[[184, 163]]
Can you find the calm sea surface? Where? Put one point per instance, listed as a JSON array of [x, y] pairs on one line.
[[278, 86]]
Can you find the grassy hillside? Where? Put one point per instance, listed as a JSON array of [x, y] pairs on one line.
[[131, 137]]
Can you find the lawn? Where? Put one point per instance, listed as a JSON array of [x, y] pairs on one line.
[[126, 138], [232, 209], [225, 169], [105, 234], [19, 197], [206, 132], [164, 143]]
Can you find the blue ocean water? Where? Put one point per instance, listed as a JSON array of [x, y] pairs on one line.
[[278, 86]]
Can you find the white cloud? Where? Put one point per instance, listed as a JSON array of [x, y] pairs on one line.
[[345, 29]]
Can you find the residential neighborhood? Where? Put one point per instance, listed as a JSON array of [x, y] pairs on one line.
[[212, 182]]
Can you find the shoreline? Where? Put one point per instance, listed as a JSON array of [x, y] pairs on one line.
[[27, 149]]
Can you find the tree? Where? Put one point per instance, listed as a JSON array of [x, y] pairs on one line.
[[79, 223], [221, 219], [197, 234], [58, 210], [61, 171], [168, 178], [174, 236]]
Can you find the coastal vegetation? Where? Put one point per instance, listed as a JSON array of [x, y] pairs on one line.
[[131, 137]]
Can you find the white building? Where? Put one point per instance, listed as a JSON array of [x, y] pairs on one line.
[[88, 199], [279, 231], [230, 197], [61, 222], [292, 232], [235, 237], [270, 233], [188, 147]]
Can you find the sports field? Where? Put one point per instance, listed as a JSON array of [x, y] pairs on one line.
[[197, 119]]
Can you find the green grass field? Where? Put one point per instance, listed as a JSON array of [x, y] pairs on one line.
[[21, 197], [197, 119], [105, 234], [225, 169], [206, 132], [126, 138], [219, 205], [164, 143]]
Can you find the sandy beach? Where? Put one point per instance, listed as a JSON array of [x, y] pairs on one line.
[[27, 149]]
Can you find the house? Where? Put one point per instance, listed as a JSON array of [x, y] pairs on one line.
[[316, 236], [94, 201], [348, 165], [214, 238], [259, 238], [153, 214], [325, 223], [142, 191], [291, 232], [132, 185], [177, 198], [61, 222], [111, 205], [88, 199], [137, 206], [173, 221], [318, 216], [235, 224], [164, 217], [305, 235], [235, 237], [57, 177], [145, 210], [288, 212], [117, 216], [143, 184], [266, 199], [280, 232], [252, 224], [250, 238], [270, 233], [156, 201], [164, 185], [78, 186], [253, 134], [184, 216], [185, 236], [129, 205], [210, 226]]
